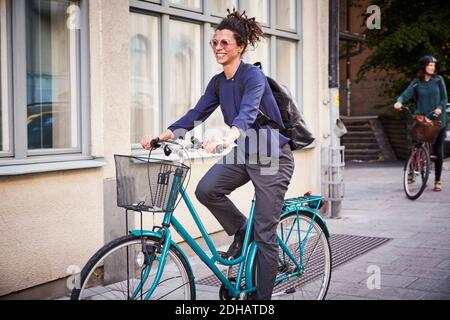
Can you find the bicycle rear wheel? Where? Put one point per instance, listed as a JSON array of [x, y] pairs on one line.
[[416, 172], [125, 269], [312, 252]]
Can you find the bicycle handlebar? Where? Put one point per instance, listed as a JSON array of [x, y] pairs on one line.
[[181, 147], [432, 113]]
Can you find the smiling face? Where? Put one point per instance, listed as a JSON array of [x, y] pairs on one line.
[[430, 68], [225, 48]]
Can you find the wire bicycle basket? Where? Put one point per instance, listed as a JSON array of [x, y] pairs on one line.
[[145, 184]]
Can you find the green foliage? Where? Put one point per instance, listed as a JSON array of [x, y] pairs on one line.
[[409, 30]]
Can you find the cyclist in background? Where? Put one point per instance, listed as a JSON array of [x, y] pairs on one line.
[[430, 96], [231, 39]]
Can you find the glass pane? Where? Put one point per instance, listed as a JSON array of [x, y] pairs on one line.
[[193, 4], [256, 8], [185, 69], [286, 14], [144, 79], [4, 105], [219, 7], [287, 64], [52, 113], [214, 125], [259, 54]]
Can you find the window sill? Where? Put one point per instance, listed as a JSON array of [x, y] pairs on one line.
[[23, 169]]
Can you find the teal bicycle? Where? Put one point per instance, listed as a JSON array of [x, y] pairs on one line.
[[149, 265]]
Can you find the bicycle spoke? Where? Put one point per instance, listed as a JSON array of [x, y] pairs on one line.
[[309, 246], [117, 276]]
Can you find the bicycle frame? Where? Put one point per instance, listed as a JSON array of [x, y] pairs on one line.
[[233, 289]]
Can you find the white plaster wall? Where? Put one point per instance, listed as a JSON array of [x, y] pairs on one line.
[[48, 222]]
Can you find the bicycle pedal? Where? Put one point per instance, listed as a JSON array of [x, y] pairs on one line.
[[223, 254], [290, 290]]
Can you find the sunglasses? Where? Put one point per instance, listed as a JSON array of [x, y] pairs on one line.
[[223, 43]]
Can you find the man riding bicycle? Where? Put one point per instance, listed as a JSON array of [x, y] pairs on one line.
[[244, 163]]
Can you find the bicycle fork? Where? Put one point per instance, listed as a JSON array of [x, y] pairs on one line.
[[147, 257]]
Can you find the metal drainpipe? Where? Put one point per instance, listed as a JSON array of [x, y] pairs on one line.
[[348, 67], [335, 153]]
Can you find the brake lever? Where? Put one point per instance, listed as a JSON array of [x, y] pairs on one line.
[[167, 150]]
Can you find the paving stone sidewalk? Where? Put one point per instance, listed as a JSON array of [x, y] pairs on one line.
[[414, 265]]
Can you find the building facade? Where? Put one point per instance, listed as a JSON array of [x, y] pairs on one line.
[[84, 80]]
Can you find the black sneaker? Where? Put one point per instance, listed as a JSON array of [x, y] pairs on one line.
[[235, 248]]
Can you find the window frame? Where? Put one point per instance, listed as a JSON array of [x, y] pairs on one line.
[[160, 67], [5, 69], [187, 8], [265, 23], [20, 154], [287, 29]]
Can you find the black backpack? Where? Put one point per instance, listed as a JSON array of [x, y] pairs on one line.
[[294, 126]]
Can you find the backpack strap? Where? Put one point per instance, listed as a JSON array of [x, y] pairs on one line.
[[217, 83], [415, 84], [221, 75], [262, 119]]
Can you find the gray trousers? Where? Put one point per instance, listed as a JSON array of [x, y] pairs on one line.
[[222, 179]]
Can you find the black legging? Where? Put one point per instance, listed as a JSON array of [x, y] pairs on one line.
[[438, 150]]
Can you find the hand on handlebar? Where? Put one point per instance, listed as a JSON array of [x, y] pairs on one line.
[[212, 145], [437, 112], [398, 106], [148, 144]]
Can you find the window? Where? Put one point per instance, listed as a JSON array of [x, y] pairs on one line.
[[185, 69], [256, 8], [287, 64], [259, 54], [144, 87], [188, 62], [191, 4], [5, 135], [44, 84], [52, 85], [219, 7], [286, 13]]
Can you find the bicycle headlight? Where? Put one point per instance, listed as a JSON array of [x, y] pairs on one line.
[[140, 259]]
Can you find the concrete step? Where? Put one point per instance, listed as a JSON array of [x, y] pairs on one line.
[[362, 151], [359, 127], [356, 122], [360, 157], [365, 134], [354, 139], [361, 146]]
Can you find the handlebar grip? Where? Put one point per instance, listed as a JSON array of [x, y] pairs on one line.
[[155, 143]]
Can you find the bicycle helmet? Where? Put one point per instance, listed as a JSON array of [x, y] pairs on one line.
[[425, 60]]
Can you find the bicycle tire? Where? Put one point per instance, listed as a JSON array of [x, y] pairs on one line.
[[315, 276], [104, 275], [417, 169]]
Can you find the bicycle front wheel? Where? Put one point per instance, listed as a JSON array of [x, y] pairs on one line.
[[125, 269], [307, 242], [416, 172]]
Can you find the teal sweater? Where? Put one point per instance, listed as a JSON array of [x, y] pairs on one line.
[[431, 94]]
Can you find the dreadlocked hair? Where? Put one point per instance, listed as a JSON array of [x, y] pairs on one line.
[[246, 30]]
